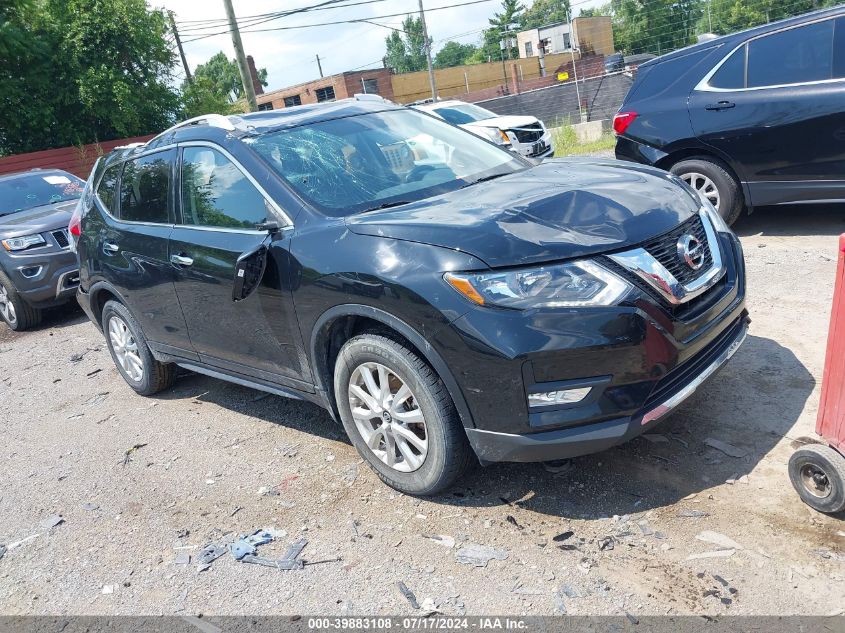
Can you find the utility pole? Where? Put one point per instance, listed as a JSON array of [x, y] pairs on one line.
[[319, 66], [181, 52], [246, 78], [574, 69], [428, 54]]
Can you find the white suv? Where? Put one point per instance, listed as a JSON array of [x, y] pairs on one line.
[[524, 135]]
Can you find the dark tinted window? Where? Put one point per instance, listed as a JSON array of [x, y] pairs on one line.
[[656, 78], [295, 100], [370, 86], [216, 193], [108, 185], [325, 94], [801, 54], [839, 49], [732, 73], [145, 188]]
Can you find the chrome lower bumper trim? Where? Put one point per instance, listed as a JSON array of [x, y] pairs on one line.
[[672, 403]]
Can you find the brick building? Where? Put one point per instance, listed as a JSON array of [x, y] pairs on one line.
[[338, 86]]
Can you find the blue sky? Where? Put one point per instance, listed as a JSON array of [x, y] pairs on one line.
[[289, 55]]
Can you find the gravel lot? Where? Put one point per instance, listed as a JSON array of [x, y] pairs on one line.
[[218, 459]]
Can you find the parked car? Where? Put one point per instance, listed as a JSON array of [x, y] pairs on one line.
[[750, 119], [523, 135], [37, 269], [614, 63], [441, 297], [633, 62]]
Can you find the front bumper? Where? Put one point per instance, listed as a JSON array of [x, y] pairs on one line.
[[44, 279], [640, 360], [491, 446], [537, 151]]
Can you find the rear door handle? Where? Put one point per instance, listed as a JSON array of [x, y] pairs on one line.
[[109, 248], [181, 260], [721, 105]]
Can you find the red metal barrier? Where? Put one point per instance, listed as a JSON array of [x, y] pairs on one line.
[[830, 423]]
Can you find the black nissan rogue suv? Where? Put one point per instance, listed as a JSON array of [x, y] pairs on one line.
[[440, 296]]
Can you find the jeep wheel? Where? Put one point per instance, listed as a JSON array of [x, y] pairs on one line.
[[16, 312], [130, 352], [711, 179], [399, 416]]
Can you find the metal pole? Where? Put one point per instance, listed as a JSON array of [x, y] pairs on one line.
[[466, 81], [181, 52], [246, 77], [428, 54], [319, 66], [363, 86], [574, 70]]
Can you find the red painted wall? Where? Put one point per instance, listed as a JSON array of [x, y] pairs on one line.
[[77, 160]]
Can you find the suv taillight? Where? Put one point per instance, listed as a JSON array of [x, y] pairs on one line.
[[74, 227], [622, 120]]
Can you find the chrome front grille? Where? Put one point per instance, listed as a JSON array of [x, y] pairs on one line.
[[664, 248], [528, 134]]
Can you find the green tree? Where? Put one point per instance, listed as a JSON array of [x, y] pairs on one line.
[[504, 25], [728, 16], [543, 12], [224, 77], [405, 50], [91, 70], [654, 26], [454, 54], [201, 97]]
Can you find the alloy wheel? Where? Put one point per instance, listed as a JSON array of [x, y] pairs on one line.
[[125, 348], [7, 308], [388, 417], [703, 185]]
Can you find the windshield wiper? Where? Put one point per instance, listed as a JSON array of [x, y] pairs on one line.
[[387, 205], [484, 179]]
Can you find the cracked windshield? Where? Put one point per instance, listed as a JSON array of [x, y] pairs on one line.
[[380, 160]]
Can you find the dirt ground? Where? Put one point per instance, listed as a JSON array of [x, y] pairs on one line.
[[216, 459]]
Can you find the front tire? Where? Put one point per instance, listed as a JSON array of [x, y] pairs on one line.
[[131, 354], [16, 312], [818, 474], [712, 179], [399, 415]]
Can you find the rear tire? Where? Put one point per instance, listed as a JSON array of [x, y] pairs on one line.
[[16, 312], [412, 399], [712, 177], [131, 354], [818, 474]]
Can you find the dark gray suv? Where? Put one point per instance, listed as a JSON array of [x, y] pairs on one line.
[[37, 268]]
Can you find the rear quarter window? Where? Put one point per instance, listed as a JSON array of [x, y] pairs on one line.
[[731, 74], [658, 78]]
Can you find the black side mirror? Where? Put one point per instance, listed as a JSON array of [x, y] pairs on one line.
[[249, 269]]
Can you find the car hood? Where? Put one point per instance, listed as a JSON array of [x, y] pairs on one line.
[[561, 209], [503, 122], [48, 217]]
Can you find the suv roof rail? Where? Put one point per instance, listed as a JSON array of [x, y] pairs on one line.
[[130, 145], [366, 96], [214, 120]]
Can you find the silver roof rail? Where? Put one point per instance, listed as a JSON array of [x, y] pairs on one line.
[[368, 96], [130, 145], [214, 120]]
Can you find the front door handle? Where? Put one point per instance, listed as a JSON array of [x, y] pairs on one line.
[[721, 105], [109, 248], [181, 260]]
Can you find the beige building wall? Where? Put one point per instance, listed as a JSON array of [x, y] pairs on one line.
[[452, 82], [594, 35], [533, 37]]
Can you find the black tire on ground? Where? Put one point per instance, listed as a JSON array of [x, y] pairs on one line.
[[22, 316], [449, 454], [731, 201], [156, 376], [818, 474]]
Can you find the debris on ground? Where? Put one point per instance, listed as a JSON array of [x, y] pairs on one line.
[[721, 553], [409, 595], [709, 536], [512, 520], [645, 528], [441, 539], [208, 555], [127, 456], [52, 521], [693, 514], [349, 475], [655, 438], [183, 533], [728, 449], [563, 536], [559, 603], [182, 558], [90, 507], [108, 589], [17, 544], [479, 555], [2, 551], [558, 466], [606, 544]]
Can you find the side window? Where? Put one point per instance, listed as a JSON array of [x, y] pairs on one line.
[[731, 74], [798, 55], [145, 188], [839, 49], [216, 193], [107, 187]]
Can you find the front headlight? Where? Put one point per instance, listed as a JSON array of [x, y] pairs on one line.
[[23, 242], [495, 134], [578, 284]]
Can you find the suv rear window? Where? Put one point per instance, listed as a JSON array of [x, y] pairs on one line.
[[108, 184], [731, 74], [797, 55], [145, 188]]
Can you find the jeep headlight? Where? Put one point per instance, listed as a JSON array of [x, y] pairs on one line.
[[577, 284], [23, 242]]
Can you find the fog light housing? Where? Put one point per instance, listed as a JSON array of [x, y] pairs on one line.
[[31, 271], [558, 397]]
